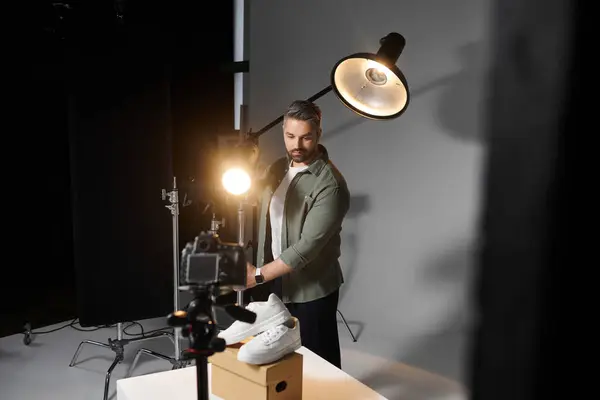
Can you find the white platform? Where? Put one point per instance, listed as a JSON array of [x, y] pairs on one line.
[[321, 381]]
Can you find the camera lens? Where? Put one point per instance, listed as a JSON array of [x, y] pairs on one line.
[[203, 245]]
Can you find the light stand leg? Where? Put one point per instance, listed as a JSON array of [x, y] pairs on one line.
[[152, 354], [116, 361], [347, 326], [241, 241], [118, 346], [176, 360], [79, 348]]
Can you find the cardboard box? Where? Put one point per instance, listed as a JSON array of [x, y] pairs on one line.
[[233, 380]]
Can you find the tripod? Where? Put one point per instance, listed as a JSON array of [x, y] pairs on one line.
[[118, 347], [199, 325], [176, 360]]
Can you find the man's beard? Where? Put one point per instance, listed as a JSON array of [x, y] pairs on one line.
[[303, 155]]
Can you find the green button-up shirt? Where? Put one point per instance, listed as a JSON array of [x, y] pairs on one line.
[[315, 205]]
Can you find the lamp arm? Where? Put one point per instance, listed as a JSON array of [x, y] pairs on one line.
[[255, 135]]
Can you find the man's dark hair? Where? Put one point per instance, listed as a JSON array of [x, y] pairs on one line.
[[304, 110]]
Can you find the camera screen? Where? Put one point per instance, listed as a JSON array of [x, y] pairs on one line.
[[203, 268]]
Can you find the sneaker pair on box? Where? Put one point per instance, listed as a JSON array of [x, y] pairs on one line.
[[275, 333]]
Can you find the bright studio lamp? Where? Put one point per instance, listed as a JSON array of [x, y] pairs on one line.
[[236, 181], [237, 168], [372, 85]]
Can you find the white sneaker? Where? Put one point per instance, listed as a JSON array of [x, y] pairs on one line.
[[272, 344], [269, 313]]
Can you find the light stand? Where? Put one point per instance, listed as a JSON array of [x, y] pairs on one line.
[[241, 217], [241, 242], [118, 347], [177, 361]]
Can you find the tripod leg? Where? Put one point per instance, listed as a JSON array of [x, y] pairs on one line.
[[347, 327], [93, 342], [117, 360]]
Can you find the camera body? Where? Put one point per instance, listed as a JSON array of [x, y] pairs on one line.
[[210, 262]]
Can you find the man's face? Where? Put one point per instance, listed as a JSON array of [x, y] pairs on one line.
[[301, 140]]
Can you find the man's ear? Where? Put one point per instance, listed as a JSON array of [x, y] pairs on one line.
[[319, 132]]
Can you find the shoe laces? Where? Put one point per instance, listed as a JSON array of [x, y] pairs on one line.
[[273, 334]]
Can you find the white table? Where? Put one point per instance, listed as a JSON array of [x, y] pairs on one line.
[[321, 381]]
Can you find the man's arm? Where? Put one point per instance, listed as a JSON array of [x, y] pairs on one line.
[[322, 221], [275, 269]]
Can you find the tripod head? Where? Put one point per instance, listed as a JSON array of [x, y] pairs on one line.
[[198, 324]]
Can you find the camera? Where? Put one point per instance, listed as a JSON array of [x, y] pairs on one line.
[[210, 262]]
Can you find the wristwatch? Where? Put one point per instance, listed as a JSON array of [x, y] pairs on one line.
[[259, 277]]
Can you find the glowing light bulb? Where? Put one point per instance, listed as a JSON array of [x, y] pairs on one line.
[[236, 181]]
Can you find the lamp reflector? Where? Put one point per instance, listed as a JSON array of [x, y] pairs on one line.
[[369, 87], [371, 84], [236, 181]]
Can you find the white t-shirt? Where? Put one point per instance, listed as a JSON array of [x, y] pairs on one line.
[[276, 209]]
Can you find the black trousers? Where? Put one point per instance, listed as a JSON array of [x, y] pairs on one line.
[[318, 326]]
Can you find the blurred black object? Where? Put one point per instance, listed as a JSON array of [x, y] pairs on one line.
[[537, 86]]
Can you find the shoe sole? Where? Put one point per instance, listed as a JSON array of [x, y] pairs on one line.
[[272, 356], [254, 330]]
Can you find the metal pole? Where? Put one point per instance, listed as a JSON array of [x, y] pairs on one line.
[[241, 241], [176, 304], [239, 35], [174, 208], [279, 119]]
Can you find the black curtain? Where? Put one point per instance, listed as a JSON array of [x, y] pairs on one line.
[[93, 143], [535, 103], [160, 96], [121, 158], [38, 283]]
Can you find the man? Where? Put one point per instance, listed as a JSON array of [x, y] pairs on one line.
[[304, 202]]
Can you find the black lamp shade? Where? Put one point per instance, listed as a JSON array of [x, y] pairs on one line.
[[371, 84]]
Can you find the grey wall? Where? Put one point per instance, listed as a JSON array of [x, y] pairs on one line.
[[409, 240]]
